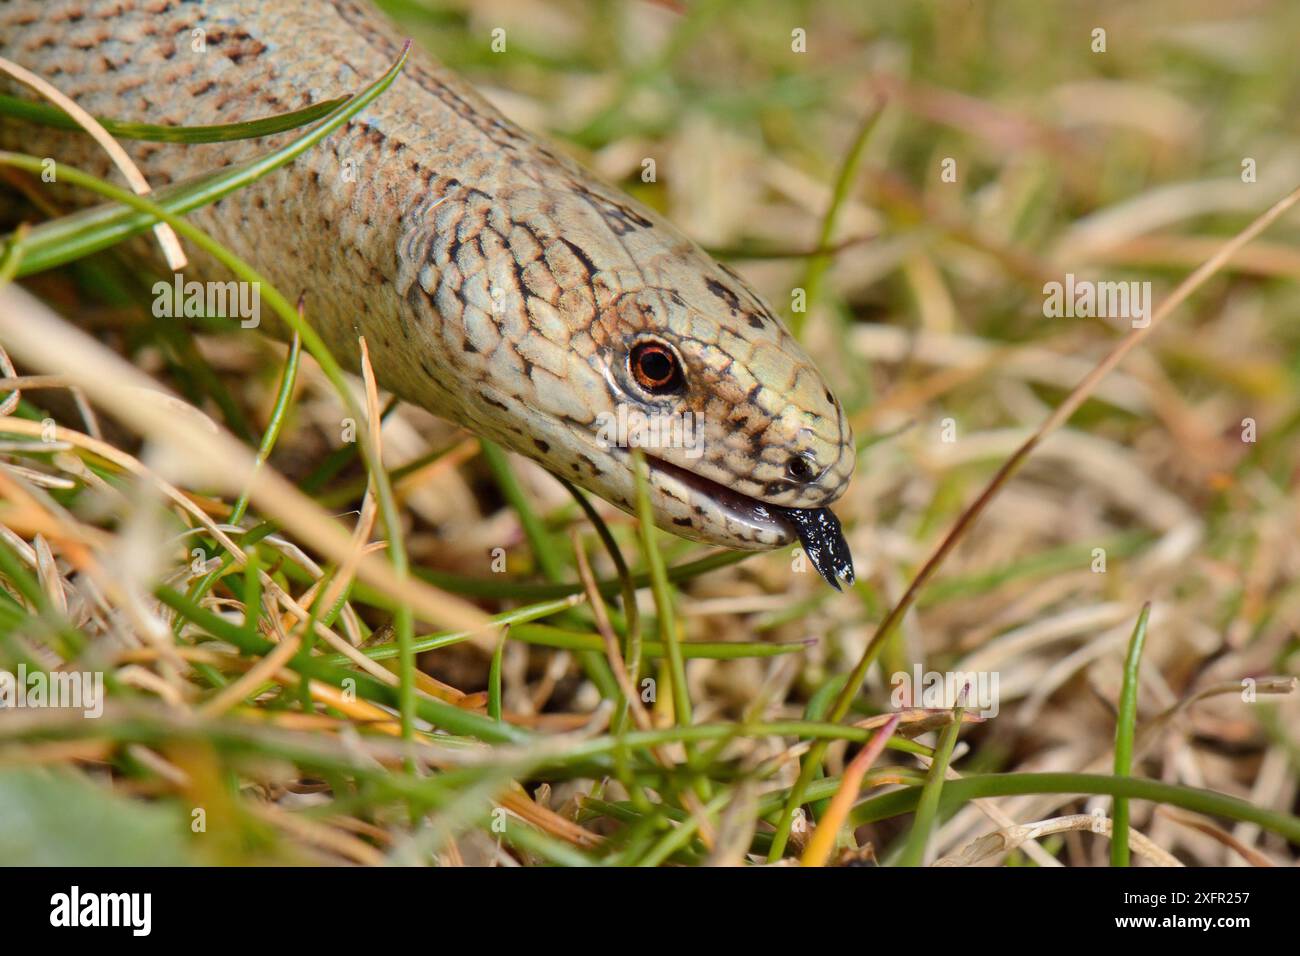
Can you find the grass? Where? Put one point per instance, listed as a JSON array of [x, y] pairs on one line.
[[590, 691], [1124, 728]]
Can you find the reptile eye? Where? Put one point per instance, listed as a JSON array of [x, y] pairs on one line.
[[799, 468], [655, 368]]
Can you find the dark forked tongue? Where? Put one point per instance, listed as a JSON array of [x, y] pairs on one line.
[[823, 542]]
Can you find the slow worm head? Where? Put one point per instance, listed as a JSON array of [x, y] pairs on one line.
[[498, 284]]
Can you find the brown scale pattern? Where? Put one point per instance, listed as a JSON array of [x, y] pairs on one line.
[[498, 284]]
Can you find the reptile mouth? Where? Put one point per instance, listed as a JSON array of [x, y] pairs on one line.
[[816, 528]]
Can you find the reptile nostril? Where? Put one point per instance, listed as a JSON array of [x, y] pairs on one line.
[[800, 468]]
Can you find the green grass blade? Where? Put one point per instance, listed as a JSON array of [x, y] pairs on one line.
[[283, 399], [47, 115], [927, 808], [494, 676], [815, 270], [525, 591], [662, 594], [1124, 728], [976, 786]]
